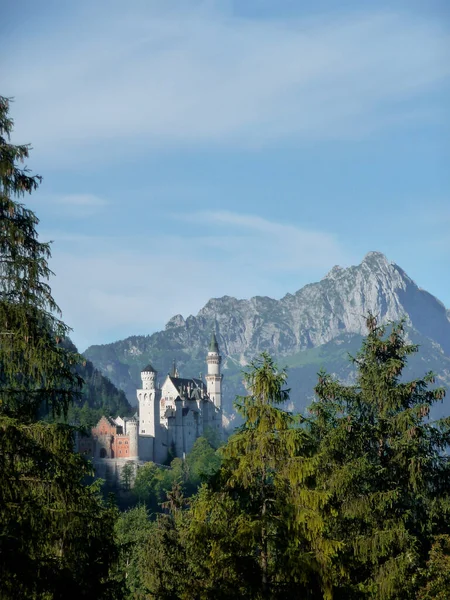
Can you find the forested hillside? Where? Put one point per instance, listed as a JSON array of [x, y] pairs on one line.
[[99, 396]]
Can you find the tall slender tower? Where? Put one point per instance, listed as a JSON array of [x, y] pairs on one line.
[[214, 378], [149, 400]]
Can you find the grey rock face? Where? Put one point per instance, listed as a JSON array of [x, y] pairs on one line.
[[322, 311], [327, 314]]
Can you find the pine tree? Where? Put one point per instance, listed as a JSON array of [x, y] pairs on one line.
[[35, 369], [249, 498], [55, 533], [379, 477], [132, 530], [165, 563], [253, 456]]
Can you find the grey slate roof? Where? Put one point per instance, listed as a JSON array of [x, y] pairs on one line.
[[213, 345], [183, 382], [148, 369]]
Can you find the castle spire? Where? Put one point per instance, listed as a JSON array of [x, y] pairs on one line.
[[214, 377], [213, 345], [174, 369]]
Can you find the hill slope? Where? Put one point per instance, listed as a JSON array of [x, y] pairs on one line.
[[313, 328], [99, 397]]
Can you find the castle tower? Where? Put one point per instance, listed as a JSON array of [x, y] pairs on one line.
[[214, 378], [149, 401], [132, 431]]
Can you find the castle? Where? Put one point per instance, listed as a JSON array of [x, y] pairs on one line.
[[168, 421]]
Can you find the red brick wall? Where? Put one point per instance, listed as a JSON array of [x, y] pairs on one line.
[[117, 445], [121, 446], [104, 427]]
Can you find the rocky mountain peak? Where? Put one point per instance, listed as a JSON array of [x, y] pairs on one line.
[[319, 315], [335, 272], [375, 258], [319, 312], [176, 321]]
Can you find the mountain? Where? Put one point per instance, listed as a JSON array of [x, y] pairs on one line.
[[99, 396], [315, 327]]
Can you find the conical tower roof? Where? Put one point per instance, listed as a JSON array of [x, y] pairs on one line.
[[148, 369], [213, 345]]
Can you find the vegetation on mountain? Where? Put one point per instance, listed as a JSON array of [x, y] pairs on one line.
[[98, 397]]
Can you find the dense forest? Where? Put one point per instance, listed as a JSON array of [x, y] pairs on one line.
[[98, 396], [348, 500]]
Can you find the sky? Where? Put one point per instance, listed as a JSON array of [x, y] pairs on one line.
[[193, 149]]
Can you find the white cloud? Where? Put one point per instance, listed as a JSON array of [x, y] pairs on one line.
[[134, 285], [267, 244], [159, 77], [77, 206], [83, 200]]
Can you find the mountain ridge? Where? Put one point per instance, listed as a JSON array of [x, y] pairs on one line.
[[316, 315]]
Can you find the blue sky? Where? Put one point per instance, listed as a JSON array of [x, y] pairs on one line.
[[192, 149]]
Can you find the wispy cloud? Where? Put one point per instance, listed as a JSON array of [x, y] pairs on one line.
[[271, 245], [161, 77], [77, 206], [135, 284], [83, 200]]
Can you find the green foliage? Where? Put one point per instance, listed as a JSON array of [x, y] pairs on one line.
[[132, 530], [98, 397], [377, 482], [351, 502], [153, 482], [202, 463], [165, 560], [253, 470], [235, 535], [55, 532], [126, 476], [437, 571], [234, 540], [35, 369]]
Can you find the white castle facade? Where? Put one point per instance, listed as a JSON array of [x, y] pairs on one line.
[[169, 418]]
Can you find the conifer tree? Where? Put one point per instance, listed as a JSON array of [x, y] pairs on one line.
[[165, 562], [35, 369], [379, 478], [254, 455], [55, 533], [243, 519]]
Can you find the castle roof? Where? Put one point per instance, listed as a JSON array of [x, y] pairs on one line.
[[133, 418], [182, 383], [148, 369], [213, 345]]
